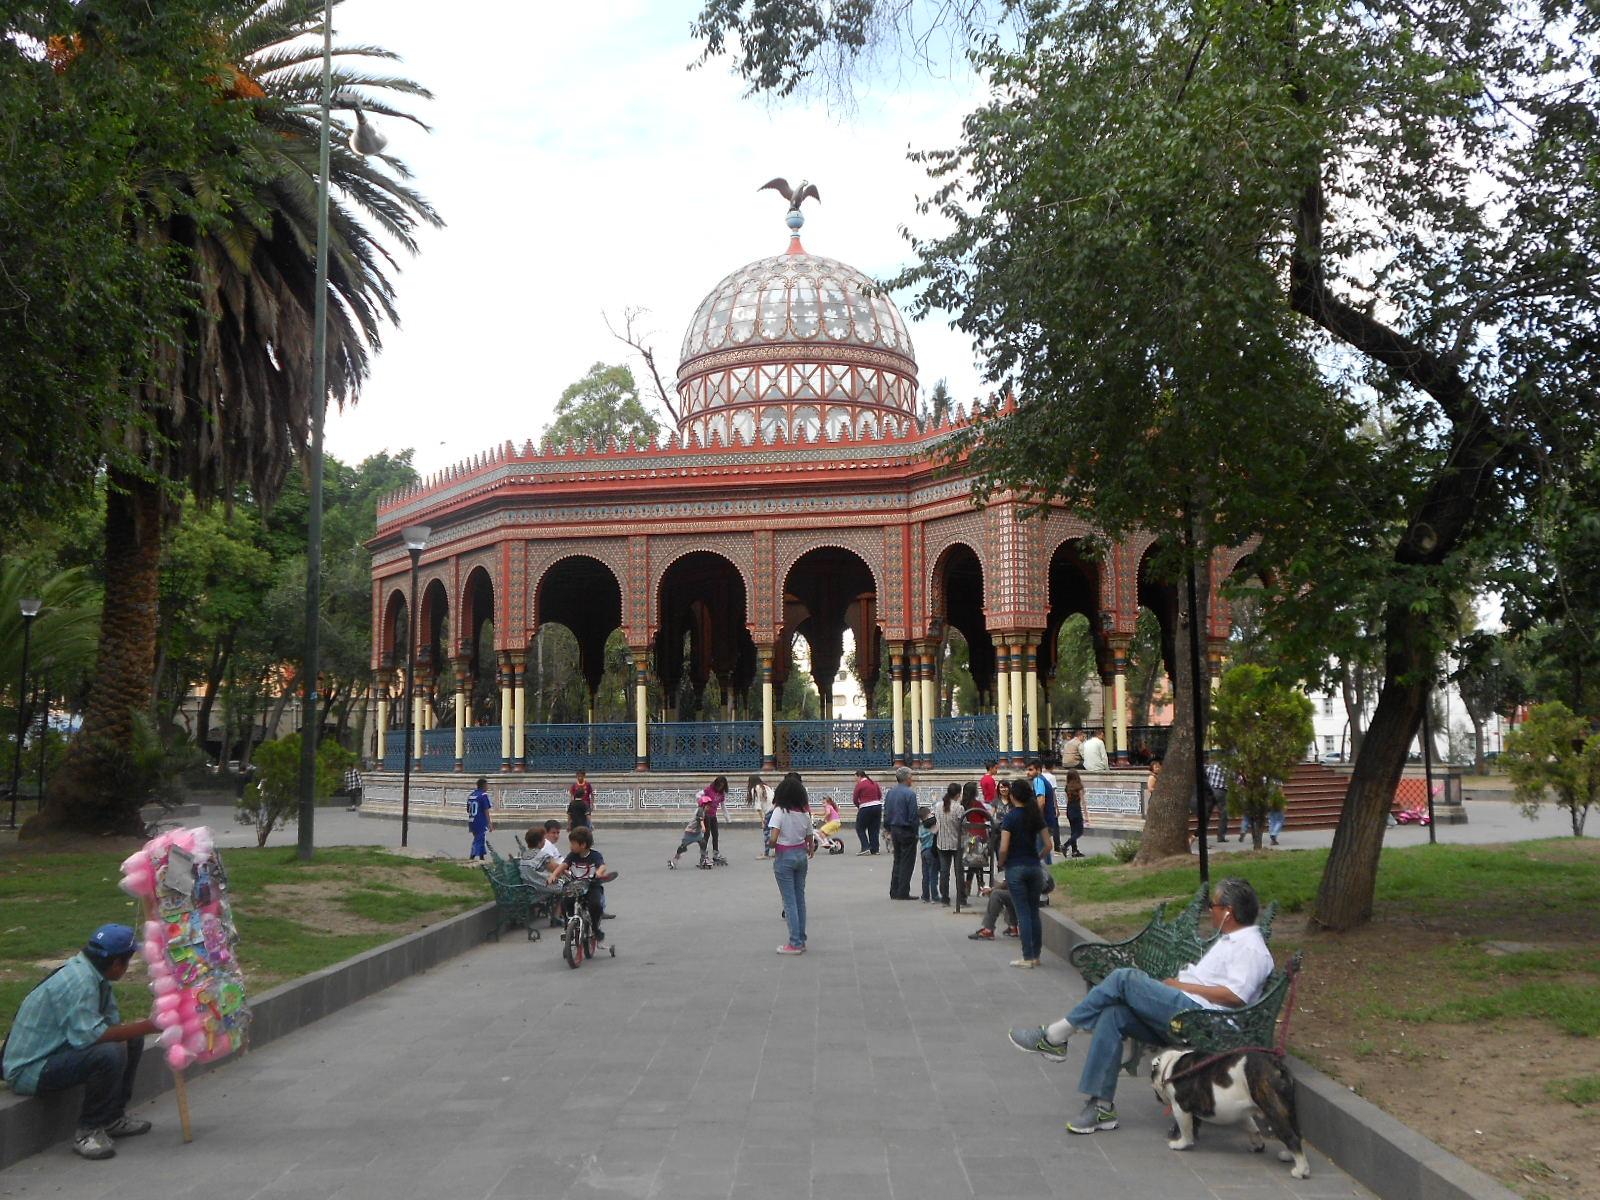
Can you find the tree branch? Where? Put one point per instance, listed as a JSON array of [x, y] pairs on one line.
[[635, 341]]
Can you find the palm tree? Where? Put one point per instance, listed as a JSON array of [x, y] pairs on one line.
[[230, 404]]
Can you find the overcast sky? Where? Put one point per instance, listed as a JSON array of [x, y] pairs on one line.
[[582, 169]]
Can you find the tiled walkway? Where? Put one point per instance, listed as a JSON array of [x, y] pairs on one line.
[[696, 1064]]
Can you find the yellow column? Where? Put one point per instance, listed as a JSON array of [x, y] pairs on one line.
[[897, 666], [507, 717], [463, 701], [519, 712], [1119, 695], [769, 701], [1030, 686], [1018, 711], [641, 710], [914, 669], [418, 715], [1002, 702], [930, 705], [383, 723]]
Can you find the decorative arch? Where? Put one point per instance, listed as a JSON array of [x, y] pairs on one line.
[[667, 550], [841, 592], [536, 616], [939, 537], [390, 652], [542, 555], [866, 544], [938, 563]]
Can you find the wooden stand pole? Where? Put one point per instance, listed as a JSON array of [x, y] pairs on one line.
[[179, 1084], [182, 1089]]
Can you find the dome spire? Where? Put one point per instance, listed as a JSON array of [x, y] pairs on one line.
[[796, 196]]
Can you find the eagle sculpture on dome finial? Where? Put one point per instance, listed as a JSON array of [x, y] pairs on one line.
[[795, 196]]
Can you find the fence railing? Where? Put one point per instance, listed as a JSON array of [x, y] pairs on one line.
[[483, 749], [706, 746], [965, 741], [843, 745], [394, 750], [604, 746], [438, 750]]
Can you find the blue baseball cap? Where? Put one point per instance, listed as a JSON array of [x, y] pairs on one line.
[[110, 941]]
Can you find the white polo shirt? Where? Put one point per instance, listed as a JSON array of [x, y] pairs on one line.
[[1238, 961]]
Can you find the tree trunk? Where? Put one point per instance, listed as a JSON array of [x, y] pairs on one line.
[[1479, 765], [1166, 820], [97, 789], [219, 667], [1344, 898]]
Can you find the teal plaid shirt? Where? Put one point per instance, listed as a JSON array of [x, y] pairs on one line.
[[71, 1008]]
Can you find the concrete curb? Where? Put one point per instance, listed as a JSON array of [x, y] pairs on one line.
[[1381, 1153], [29, 1124]]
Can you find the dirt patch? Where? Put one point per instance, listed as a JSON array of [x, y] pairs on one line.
[[316, 904], [1479, 1089]]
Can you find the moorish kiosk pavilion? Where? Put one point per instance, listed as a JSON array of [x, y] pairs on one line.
[[800, 494]]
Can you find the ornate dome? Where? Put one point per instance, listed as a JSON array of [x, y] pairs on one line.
[[796, 345]]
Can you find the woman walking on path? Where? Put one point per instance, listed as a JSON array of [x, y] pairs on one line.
[[789, 834], [758, 795], [1074, 787], [1022, 833], [711, 801], [868, 799], [947, 838]]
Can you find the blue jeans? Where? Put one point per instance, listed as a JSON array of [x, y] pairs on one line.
[[106, 1070], [789, 868], [1025, 882], [1126, 1003], [1275, 820], [930, 874], [478, 848]]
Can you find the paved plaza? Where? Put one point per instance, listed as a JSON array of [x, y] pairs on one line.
[[698, 1063]]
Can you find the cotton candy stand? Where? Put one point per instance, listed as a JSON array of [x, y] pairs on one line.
[[189, 948]]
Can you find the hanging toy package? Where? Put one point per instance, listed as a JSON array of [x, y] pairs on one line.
[[189, 948]]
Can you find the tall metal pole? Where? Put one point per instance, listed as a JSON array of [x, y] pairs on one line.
[[1427, 760], [1202, 786], [310, 723], [22, 690], [410, 702], [44, 727]]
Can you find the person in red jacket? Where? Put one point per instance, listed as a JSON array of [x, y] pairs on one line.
[[868, 799]]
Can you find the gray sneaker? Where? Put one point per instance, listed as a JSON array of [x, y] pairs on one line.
[[128, 1127], [93, 1143], [1034, 1041], [1095, 1118]]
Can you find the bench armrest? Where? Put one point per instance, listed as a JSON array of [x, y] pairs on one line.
[[1219, 1030]]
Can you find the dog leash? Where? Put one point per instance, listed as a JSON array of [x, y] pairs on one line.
[[1277, 1051]]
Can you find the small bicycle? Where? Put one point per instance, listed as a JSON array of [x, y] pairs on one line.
[[578, 937]]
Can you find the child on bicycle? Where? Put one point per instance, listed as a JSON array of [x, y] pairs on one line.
[[694, 834], [583, 861]]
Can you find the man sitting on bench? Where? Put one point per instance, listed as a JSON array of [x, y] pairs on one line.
[[1130, 1004]]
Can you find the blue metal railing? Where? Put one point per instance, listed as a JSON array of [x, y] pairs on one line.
[[483, 749], [843, 745], [965, 741], [603, 746], [394, 750], [705, 746], [438, 750]]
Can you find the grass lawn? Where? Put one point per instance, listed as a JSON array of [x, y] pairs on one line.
[[293, 917], [1469, 1007]]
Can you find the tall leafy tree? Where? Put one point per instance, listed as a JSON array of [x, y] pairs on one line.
[[228, 401], [1262, 726], [1391, 197], [602, 406], [1556, 755]]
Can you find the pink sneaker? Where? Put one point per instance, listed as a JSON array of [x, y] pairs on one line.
[[791, 949]]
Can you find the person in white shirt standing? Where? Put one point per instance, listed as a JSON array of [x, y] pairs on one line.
[[1129, 1003], [1094, 753]]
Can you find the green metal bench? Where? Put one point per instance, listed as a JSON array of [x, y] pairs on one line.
[[1161, 949], [517, 902]]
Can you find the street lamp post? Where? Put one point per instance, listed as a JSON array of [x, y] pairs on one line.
[[416, 538], [366, 141], [29, 609]]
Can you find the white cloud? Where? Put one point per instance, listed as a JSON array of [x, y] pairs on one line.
[[582, 169]]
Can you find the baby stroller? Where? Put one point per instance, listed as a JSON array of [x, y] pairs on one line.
[[977, 852]]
